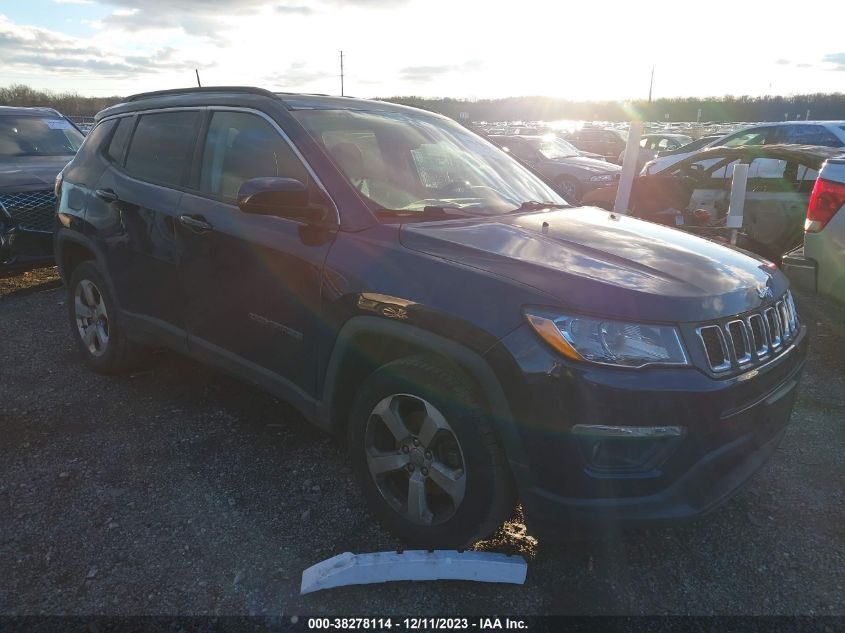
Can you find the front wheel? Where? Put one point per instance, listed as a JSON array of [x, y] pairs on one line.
[[426, 457]]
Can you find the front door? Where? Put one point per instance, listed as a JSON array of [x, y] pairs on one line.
[[252, 282]]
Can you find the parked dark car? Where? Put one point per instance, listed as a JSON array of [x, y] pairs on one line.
[[652, 145], [410, 287], [560, 163], [694, 193], [35, 143], [607, 143]]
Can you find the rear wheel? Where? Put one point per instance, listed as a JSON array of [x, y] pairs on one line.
[[426, 456], [94, 323]]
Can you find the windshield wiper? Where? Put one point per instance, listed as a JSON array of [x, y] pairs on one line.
[[428, 212]]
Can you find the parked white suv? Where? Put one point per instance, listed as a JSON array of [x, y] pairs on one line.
[[826, 133], [819, 265]]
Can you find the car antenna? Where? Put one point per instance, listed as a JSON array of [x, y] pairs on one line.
[[199, 85]]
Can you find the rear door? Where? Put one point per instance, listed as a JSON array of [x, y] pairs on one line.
[[135, 216], [251, 282]]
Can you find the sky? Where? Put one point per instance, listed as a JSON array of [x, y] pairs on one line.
[[434, 48]]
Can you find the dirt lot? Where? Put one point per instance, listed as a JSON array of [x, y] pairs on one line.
[[179, 490]]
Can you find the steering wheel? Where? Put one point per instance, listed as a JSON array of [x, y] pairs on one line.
[[458, 189]]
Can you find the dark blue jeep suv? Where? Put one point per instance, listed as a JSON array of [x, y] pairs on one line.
[[409, 286]]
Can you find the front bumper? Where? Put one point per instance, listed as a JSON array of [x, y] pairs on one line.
[[730, 428]]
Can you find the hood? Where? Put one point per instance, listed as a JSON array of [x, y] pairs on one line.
[[596, 262], [30, 172], [589, 164]]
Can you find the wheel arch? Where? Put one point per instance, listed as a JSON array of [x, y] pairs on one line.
[[366, 343], [71, 249]]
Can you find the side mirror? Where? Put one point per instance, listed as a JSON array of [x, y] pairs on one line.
[[283, 197]]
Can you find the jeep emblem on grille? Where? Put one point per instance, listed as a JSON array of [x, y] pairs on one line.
[[764, 292]]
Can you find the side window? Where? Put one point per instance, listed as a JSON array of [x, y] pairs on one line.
[[162, 147], [240, 146], [93, 142], [119, 140], [810, 135], [521, 149], [757, 136]]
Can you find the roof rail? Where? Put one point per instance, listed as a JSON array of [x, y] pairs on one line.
[[176, 91]]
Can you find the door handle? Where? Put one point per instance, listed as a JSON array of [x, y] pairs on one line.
[[196, 224], [107, 195]]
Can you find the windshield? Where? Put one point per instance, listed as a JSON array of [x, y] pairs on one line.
[[38, 136], [408, 162], [556, 148]]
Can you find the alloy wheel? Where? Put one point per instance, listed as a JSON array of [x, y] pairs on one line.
[[415, 459], [92, 319]]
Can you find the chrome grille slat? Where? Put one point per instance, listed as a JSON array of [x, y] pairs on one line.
[[739, 341], [784, 320], [757, 328], [31, 210], [749, 339], [716, 364]]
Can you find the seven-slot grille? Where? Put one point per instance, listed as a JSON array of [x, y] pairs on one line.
[[31, 210], [750, 339]]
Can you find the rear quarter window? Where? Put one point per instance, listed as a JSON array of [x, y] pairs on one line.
[[117, 146], [162, 147]]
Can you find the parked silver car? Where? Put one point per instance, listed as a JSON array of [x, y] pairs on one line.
[[819, 265], [560, 163]]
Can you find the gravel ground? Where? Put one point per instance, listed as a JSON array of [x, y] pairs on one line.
[[177, 490]]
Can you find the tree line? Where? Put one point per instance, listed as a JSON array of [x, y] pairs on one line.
[[68, 103], [728, 108], [722, 109]]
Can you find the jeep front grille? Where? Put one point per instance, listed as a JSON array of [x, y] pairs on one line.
[[747, 340], [31, 210]]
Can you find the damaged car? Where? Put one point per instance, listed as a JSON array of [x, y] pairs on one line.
[[694, 194], [35, 144], [411, 288]]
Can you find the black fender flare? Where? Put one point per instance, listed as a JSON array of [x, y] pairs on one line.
[[63, 236], [468, 360]]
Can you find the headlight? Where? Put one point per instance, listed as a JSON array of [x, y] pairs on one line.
[[609, 342], [603, 178]]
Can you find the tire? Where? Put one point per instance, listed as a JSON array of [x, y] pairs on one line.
[[95, 325], [570, 188], [424, 393]]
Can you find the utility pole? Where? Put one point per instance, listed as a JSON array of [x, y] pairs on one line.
[[198, 77], [341, 73], [651, 84]]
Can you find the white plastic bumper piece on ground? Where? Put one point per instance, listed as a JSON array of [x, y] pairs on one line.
[[363, 569]]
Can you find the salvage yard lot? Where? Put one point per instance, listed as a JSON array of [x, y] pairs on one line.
[[179, 490]]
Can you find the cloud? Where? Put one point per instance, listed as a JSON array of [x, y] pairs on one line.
[[783, 62], [297, 75], [422, 74], [294, 9], [35, 48], [211, 18], [837, 59]]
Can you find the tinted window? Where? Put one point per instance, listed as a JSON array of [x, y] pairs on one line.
[[96, 137], [240, 146], [38, 136], [809, 135], [161, 147], [117, 147], [757, 136]]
